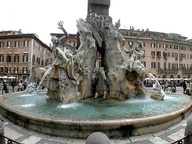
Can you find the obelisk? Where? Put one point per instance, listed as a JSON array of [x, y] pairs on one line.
[[100, 7]]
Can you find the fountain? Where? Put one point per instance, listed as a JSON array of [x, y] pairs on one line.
[[80, 99]]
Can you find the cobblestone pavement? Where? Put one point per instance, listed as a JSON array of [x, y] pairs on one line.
[[25, 136]]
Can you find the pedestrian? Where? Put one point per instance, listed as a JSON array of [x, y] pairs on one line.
[[5, 87], [184, 86], [175, 85], [25, 85], [20, 86], [13, 84]]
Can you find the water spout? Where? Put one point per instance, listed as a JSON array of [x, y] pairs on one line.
[[44, 76], [159, 88]]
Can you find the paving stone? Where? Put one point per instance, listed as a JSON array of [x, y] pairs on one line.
[[31, 140], [12, 133], [158, 140], [44, 141]]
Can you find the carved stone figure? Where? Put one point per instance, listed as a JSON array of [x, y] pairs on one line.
[[70, 77], [101, 84]]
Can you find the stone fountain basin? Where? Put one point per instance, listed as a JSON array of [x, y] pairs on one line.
[[82, 128]]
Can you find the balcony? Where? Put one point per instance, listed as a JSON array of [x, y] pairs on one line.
[[187, 71], [158, 56], [168, 71], [14, 72]]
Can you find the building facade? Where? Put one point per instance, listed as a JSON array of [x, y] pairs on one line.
[[166, 55], [21, 54]]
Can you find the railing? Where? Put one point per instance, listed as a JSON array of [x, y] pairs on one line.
[[9, 140], [180, 141]]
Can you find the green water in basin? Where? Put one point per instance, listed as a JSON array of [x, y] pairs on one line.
[[95, 109]]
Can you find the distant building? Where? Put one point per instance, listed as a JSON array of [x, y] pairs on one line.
[[166, 54], [21, 54]]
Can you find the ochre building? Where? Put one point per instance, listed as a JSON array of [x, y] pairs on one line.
[[167, 55], [21, 54]]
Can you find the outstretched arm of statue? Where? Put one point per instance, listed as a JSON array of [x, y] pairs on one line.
[[129, 51], [60, 26]]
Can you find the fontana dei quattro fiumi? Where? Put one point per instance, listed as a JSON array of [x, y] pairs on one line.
[[80, 99]]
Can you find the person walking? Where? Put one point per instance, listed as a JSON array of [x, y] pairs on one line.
[[5, 87], [184, 86], [13, 84]]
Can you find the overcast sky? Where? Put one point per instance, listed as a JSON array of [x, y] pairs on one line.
[[41, 16]]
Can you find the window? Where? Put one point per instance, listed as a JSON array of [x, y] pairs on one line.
[[24, 69], [8, 58], [9, 69], [165, 66], [16, 58], [143, 44], [153, 45], [168, 54], [42, 62], [153, 65], [182, 55], [159, 54], [182, 66], [25, 57], [130, 43], [159, 65], [1, 69], [17, 43], [1, 44], [1, 58], [169, 66], [26, 43], [183, 48], [173, 65], [153, 54], [38, 60], [16, 69], [9, 44], [159, 45]]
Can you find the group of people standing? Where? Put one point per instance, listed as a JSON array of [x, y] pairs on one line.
[[184, 84], [5, 86]]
